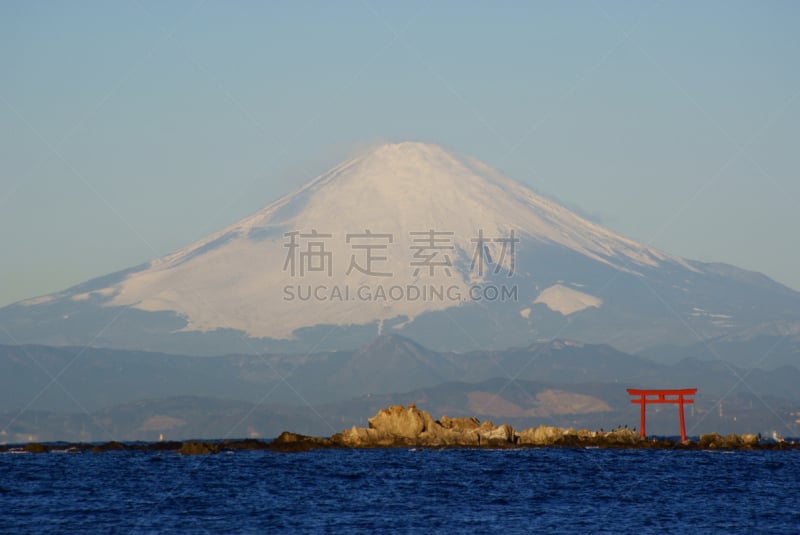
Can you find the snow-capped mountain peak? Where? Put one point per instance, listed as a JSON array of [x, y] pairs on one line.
[[418, 208], [402, 239], [398, 187]]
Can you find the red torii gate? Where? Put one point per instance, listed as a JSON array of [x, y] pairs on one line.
[[662, 396]]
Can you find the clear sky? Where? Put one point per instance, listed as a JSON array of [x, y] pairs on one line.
[[130, 129]]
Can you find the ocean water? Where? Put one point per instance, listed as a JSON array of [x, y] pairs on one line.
[[400, 490]]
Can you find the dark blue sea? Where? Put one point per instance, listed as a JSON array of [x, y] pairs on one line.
[[368, 491]]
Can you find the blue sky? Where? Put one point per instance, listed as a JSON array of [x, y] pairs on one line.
[[128, 130]]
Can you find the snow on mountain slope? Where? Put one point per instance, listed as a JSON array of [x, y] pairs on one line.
[[415, 185], [243, 277], [566, 300]]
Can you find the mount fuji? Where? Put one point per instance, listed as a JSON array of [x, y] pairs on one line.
[[408, 239]]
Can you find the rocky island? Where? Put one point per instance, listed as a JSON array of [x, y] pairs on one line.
[[399, 426], [410, 427]]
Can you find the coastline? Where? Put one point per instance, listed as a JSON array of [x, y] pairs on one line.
[[399, 427]]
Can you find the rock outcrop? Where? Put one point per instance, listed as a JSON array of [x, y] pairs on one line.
[[540, 436], [35, 447], [410, 426], [294, 442], [198, 448], [400, 426], [713, 441]]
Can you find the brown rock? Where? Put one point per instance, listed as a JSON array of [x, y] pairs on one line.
[[503, 433], [198, 448], [460, 424], [35, 447], [360, 437], [170, 445], [293, 442], [710, 440], [246, 444], [398, 426], [108, 446], [620, 437], [404, 423], [732, 441], [749, 440], [540, 436]]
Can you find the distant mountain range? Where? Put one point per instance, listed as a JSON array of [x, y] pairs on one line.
[[414, 240], [100, 394]]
